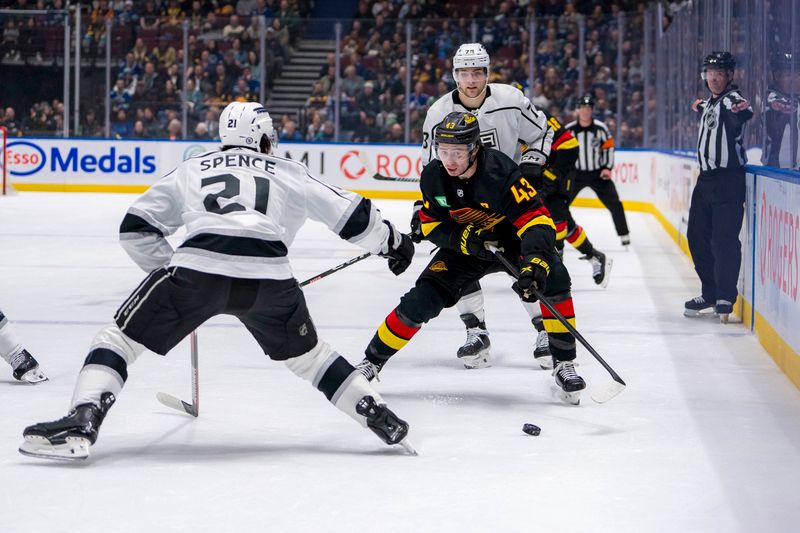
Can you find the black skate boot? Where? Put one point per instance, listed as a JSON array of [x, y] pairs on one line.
[[723, 310], [67, 438], [475, 351], [697, 306], [369, 369], [384, 423], [26, 368], [601, 267], [569, 381]]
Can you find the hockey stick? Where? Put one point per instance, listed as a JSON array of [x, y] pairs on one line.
[[335, 269], [381, 177], [613, 388], [171, 401]]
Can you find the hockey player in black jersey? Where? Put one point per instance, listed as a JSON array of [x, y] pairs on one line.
[[471, 196], [241, 207]]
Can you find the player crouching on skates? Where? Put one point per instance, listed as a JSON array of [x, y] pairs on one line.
[[242, 208], [23, 365], [472, 196]]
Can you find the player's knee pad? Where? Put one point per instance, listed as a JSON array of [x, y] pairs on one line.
[[424, 302], [113, 340]]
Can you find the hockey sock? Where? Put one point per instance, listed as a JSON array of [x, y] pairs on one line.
[[9, 345], [392, 335], [472, 304], [335, 377], [577, 238], [534, 312], [562, 343], [561, 234], [106, 367]]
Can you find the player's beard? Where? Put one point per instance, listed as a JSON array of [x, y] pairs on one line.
[[473, 102]]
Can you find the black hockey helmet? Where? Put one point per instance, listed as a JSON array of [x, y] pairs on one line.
[[719, 60], [586, 99], [458, 127]]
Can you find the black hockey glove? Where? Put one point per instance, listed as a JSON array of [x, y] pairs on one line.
[[532, 275], [532, 173], [399, 250], [472, 240], [416, 230]]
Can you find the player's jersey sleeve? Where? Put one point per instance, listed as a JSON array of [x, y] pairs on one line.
[[435, 222], [153, 216], [607, 145], [565, 150], [526, 211], [533, 132], [349, 215]]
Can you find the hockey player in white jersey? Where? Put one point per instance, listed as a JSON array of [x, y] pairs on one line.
[[508, 121], [242, 208], [23, 365]]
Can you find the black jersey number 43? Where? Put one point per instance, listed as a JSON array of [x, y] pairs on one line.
[[232, 188]]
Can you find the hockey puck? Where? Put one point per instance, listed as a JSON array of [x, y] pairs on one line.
[[531, 429]]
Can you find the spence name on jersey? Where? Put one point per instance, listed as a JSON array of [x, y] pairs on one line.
[[242, 210], [507, 119], [496, 198]]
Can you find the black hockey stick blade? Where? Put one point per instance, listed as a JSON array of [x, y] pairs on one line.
[[381, 177], [612, 389]]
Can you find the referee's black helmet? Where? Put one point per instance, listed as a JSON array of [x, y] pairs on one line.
[[586, 99], [719, 60]]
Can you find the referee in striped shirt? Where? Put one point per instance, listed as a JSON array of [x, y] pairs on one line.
[[595, 161], [717, 208]]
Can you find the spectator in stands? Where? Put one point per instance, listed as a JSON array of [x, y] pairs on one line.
[[121, 127], [174, 129], [150, 18], [369, 100], [242, 93], [328, 133], [129, 66], [90, 126], [212, 121], [234, 29], [121, 95], [314, 126], [10, 122], [289, 132], [418, 100], [288, 17], [352, 84], [396, 134], [282, 36], [247, 7], [201, 131], [138, 130], [328, 81], [367, 131], [318, 99]]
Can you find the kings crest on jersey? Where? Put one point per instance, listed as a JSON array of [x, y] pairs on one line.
[[508, 120]]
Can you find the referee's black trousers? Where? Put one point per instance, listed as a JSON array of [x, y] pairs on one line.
[[715, 220], [606, 191]]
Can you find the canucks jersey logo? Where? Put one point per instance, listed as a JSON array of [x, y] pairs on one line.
[[468, 215], [489, 138]]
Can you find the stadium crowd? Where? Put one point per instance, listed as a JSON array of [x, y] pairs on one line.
[[224, 63]]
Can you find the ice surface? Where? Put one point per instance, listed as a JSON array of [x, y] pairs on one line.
[[705, 438]]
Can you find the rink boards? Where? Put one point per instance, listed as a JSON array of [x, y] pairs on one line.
[[656, 182]]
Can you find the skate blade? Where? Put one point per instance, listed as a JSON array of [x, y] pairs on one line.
[[33, 376], [608, 392], [705, 313], [481, 360], [607, 277], [75, 449], [545, 361], [572, 398], [729, 319], [407, 447]]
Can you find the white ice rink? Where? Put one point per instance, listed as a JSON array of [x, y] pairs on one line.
[[706, 438]]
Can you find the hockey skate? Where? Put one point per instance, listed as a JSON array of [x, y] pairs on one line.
[[724, 310], [369, 369], [475, 351], [601, 267], [68, 438], [26, 368], [384, 423], [541, 351], [698, 306], [569, 382]]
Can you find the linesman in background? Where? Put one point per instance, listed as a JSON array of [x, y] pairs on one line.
[[595, 161], [717, 208], [782, 114]]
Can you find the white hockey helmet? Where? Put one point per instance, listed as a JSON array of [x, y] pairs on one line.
[[244, 124], [471, 55]]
